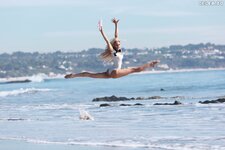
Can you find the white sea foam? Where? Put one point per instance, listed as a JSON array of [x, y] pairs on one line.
[[84, 115], [51, 107], [22, 91], [173, 143], [35, 78], [40, 107]]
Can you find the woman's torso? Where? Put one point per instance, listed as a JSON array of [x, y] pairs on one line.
[[117, 59]]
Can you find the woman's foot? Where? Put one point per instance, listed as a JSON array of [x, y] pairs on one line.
[[69, 76], [153, 63], [150, 64]]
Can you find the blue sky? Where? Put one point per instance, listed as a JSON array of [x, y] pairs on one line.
[[71, 25]]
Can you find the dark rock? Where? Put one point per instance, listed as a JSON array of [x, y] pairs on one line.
[[111, 99], [220, 100], [162, 89], [138, 104], [178, 97], [114, 98], [15, 119], [125, 105], [140, 98], [155, 97], [104, 105], [208, 102], [175, 103], [18, 81]]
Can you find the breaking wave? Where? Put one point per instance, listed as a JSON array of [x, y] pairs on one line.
[[22, 91], [168, 143], [35, 78]]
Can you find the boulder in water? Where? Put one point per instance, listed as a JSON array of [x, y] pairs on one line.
[[15, 119], [125, 105], [155, 97], [220, 100], [138, 104], [104, 105], [110, 99], [140, 98], [175, 103], [162, 89], [18, 81]]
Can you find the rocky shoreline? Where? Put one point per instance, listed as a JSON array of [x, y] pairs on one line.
[[114, 98], [220, 100]]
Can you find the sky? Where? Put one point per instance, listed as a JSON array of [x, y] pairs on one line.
[[71, 25]]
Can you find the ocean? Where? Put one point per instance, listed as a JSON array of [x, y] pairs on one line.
[[45, 114]]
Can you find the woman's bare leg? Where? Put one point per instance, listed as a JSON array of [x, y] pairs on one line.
[[123, 72], [115, 73], [88, 74]]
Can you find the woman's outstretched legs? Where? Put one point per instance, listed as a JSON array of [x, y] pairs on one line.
[[123, 72], [115, 73], [88, 74]]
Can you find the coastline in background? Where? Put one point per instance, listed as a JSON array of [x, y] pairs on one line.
[[175, 57]]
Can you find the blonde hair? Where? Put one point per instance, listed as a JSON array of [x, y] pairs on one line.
[[106, 56]]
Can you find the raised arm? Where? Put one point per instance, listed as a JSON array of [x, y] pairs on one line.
[[115, 21], [104, 36]]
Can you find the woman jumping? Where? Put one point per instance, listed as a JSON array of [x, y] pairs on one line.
[[113, 53]]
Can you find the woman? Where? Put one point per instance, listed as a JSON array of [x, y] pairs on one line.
[[113, 53]]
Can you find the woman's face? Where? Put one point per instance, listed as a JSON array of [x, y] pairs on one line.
[[116, 44]]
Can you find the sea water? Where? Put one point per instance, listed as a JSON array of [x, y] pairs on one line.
[[47, 113]]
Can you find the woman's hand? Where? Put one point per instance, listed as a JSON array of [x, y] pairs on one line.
[[100, 25], [114, 20], [100, 28]]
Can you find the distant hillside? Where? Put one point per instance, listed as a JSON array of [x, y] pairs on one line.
[[173, 57]]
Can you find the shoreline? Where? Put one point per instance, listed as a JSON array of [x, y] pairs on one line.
[[40, 77]]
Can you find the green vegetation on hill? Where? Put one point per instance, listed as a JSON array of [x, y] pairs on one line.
[[189, 56]]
